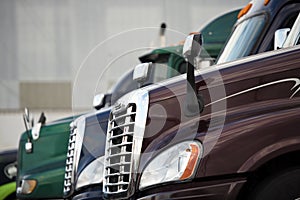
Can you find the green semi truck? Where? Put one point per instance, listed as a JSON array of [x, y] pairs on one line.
[[43, 147]]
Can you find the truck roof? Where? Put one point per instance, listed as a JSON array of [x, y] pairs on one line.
[[259, 6]]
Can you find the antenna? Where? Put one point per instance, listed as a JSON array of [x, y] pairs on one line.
[[162, 34]]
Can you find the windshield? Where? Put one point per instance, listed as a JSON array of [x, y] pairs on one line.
[[293, 38], [243, 39]]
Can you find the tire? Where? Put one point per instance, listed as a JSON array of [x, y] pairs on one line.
[[11, 197], [281, 186]]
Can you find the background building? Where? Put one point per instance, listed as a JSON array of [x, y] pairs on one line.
[[55, 55]]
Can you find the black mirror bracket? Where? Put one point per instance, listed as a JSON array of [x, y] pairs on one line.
[[194, 102]]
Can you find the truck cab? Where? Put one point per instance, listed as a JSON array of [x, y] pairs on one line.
[[41, 158], [228, 132]]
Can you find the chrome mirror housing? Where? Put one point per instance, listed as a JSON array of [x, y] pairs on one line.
[[141, 72], [280, 37], [192, 45], [187, 47], [98, 101]]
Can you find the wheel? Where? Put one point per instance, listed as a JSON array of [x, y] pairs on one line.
[[281, 186]]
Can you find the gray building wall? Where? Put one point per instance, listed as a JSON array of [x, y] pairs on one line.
[[48, 41]]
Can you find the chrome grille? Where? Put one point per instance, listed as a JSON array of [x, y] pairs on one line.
[[74, 149], [124, 138], [69, 170], [117, 173]]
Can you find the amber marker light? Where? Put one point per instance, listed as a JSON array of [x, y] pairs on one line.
[[267, 2], [245, 10], [189, 170]]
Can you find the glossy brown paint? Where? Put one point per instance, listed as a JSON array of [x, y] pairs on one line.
[[204, 190], [260, 124]]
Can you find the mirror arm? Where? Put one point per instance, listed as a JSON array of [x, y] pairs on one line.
[[194, 101], [191, 74], [26, 127]]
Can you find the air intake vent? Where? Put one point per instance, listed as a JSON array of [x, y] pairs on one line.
[[124, 139], [69, 171], [119, 150]]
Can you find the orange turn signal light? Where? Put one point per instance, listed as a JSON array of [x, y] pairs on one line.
[[266, 2], [189, 170], [245, 10]]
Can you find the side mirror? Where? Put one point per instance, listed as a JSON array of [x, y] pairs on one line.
[[192, 46], [98, 101], [141, 72], [280, 37]]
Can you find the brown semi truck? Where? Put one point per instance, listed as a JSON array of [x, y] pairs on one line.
[[229, 132]]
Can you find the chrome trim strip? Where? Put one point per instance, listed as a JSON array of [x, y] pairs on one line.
[[296, 80]]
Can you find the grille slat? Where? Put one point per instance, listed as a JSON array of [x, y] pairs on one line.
[[121, 126], [121, 154], [119, 145], [117, 174], [120, 164], [119, 150], [117, 184], [121, 135], [122, 116]]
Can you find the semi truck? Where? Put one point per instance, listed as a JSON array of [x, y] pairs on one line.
[[230, 131], [41, 171]]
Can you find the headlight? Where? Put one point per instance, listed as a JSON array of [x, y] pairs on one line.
[[92, 174], [176, 163], [27, 187]]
